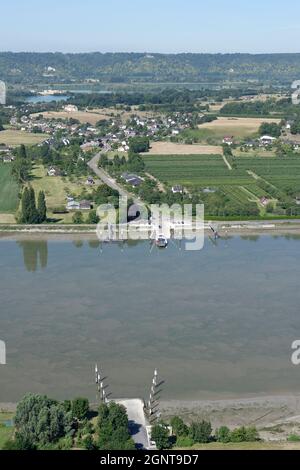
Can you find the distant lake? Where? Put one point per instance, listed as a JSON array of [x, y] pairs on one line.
[[46, 98], [216, 323]]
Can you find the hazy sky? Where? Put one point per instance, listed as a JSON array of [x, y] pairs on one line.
[[153, 26]]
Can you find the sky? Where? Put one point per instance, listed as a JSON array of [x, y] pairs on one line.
[[168, 26]]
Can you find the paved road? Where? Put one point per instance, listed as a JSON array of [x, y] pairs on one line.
[[137, 421], [107, 179]]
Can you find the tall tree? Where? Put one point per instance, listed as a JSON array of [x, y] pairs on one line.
[[25, 203], [33, 213], [21, 165], [42, 207], [29, 213]]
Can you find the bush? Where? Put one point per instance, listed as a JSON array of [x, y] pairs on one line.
[[201, 432], [184, 441], [77, 218], [88, 442], [293, 438], [93, 218], [66, 443], [243, 434], [223, 434]]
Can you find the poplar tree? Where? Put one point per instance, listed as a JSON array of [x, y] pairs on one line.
[[33, 213], [42, 208]]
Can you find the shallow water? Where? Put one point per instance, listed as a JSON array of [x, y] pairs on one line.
[[217, 323], [46, 98]]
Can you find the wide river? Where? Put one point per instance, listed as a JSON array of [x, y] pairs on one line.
[[217, 323]]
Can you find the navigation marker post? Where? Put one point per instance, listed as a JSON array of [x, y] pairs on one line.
[[152, 399]]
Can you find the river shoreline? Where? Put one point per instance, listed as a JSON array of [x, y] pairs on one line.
[[275, 417], [65, 232]]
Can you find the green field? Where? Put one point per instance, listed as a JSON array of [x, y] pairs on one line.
[[195, 170], [8, 190], [200, 171], [14, 137], [280, 172]]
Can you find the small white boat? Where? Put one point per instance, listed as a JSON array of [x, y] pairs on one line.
[[161, 241]]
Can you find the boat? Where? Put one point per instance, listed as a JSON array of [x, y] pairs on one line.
[[161, 241]]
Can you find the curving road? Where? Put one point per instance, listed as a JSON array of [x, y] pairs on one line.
[[107, 179]]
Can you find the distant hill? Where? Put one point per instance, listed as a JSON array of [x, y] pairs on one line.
[[29, 68]]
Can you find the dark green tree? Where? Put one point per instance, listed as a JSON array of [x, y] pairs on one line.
[[161, 436], [201, 432], [93, 218], [40, 421], [223, 434], [80, 408], [42, 208], [113, 431], [33, 213], [77, 218]]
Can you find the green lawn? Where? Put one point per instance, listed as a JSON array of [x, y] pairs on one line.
[[8, 190]]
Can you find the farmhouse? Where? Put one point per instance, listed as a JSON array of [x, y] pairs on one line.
[[132, 179], [267, 140], [228, 140], [73, 205], [85, 205]]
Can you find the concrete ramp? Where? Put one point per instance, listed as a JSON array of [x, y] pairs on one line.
[[137, 421]]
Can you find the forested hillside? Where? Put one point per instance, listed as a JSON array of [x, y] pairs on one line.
[[29, 68]]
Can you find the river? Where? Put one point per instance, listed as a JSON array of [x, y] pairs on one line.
[[216, 323]]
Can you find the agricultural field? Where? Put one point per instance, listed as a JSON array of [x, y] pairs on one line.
[[169, 148], [84, 117], [8, 190], [195, 170], [240, 185], [14, 138], [239, 128], [281, 172]]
